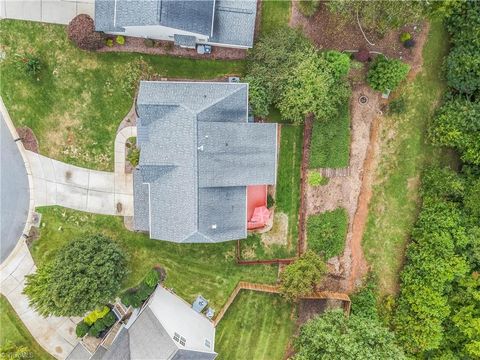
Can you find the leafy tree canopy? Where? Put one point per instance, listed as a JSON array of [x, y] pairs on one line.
[[458, 125], [335, 336], [301, 277], [83, 275]]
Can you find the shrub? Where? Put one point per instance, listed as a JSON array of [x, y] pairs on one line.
[[32, 65], [308, 7], [109, 42], [133, 156], [96, 329], [397, 106], [81, 31], [150, 43], [405, 36], [409, 44], [463, 69], [95, 315], [257, 97], [364, 301], [385, 74], [270, 201], [362, 55], [152, 278], [327, 232], [316, 179], [130, 298], [82, 329], [338, 63], [301, 277], [120, 40], [109, 319]]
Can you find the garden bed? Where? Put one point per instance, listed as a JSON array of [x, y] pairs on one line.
[[160, 47], [329, 31]]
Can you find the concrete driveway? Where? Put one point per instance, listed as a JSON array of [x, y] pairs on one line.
[[57, 183], [50, 11], [14, 192]]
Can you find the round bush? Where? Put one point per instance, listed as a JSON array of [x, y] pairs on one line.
[[97, 328], [409, 43], [81, 31], [405, 37], [363, 55], [386, 74], [82, 329], [120, 40]]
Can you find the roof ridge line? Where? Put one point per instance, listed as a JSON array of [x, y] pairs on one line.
[[222, 98]]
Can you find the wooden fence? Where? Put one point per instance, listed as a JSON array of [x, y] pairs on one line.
[[275, 289]]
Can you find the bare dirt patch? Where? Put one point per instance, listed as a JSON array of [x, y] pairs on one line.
[[345, 191], [29, 139], [329, 31], [278, 235]]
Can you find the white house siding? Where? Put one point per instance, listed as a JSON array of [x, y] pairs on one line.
[[157, 32]]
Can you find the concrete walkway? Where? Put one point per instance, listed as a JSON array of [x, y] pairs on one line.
[[100, 192], [49, 11], [55, 334], [53, 182]]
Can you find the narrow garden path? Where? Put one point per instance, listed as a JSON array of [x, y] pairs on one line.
[[344, 191]]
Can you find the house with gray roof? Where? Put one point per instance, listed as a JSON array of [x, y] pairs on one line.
[[229, 23], [166, 327], [198, 155]]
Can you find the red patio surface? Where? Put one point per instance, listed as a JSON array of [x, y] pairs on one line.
[[256, 197]]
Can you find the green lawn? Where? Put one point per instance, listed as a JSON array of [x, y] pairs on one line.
[[330, 146], [404, 154], [257, 326], [192, 269], [79, 98], [13, 330], [327, 232], [275, 13]]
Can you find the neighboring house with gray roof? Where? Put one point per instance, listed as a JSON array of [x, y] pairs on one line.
[[198, 154], [229, 23], [166, 327]]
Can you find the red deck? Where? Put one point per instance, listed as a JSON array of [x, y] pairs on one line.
[[256, 197]]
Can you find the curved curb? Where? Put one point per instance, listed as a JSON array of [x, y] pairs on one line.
[[31, 207]]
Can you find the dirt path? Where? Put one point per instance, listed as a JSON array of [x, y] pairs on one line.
[[351, 192]]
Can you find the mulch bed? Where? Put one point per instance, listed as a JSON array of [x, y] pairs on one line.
[[329, 31], [29, 140], [133, 44]]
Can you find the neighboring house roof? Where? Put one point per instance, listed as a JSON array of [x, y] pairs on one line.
[[222, 21], [198, 154], [165, 328]]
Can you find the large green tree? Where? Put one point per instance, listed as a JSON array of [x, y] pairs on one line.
[[458, 125], [84, 274], [334, 336], [301, 277]]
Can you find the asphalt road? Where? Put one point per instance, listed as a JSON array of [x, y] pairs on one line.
[[14, 192]]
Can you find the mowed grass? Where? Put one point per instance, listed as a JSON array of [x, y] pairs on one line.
[[327, 232], [275, 13], [287, 198], [192, 269], [13, 330], [330, 145], [257, 326], [404, 154], [79, 98]]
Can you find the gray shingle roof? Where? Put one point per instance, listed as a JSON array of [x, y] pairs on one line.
[[234, 22], [149, 335], [222, 21], [198, 154], [189, 15]]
